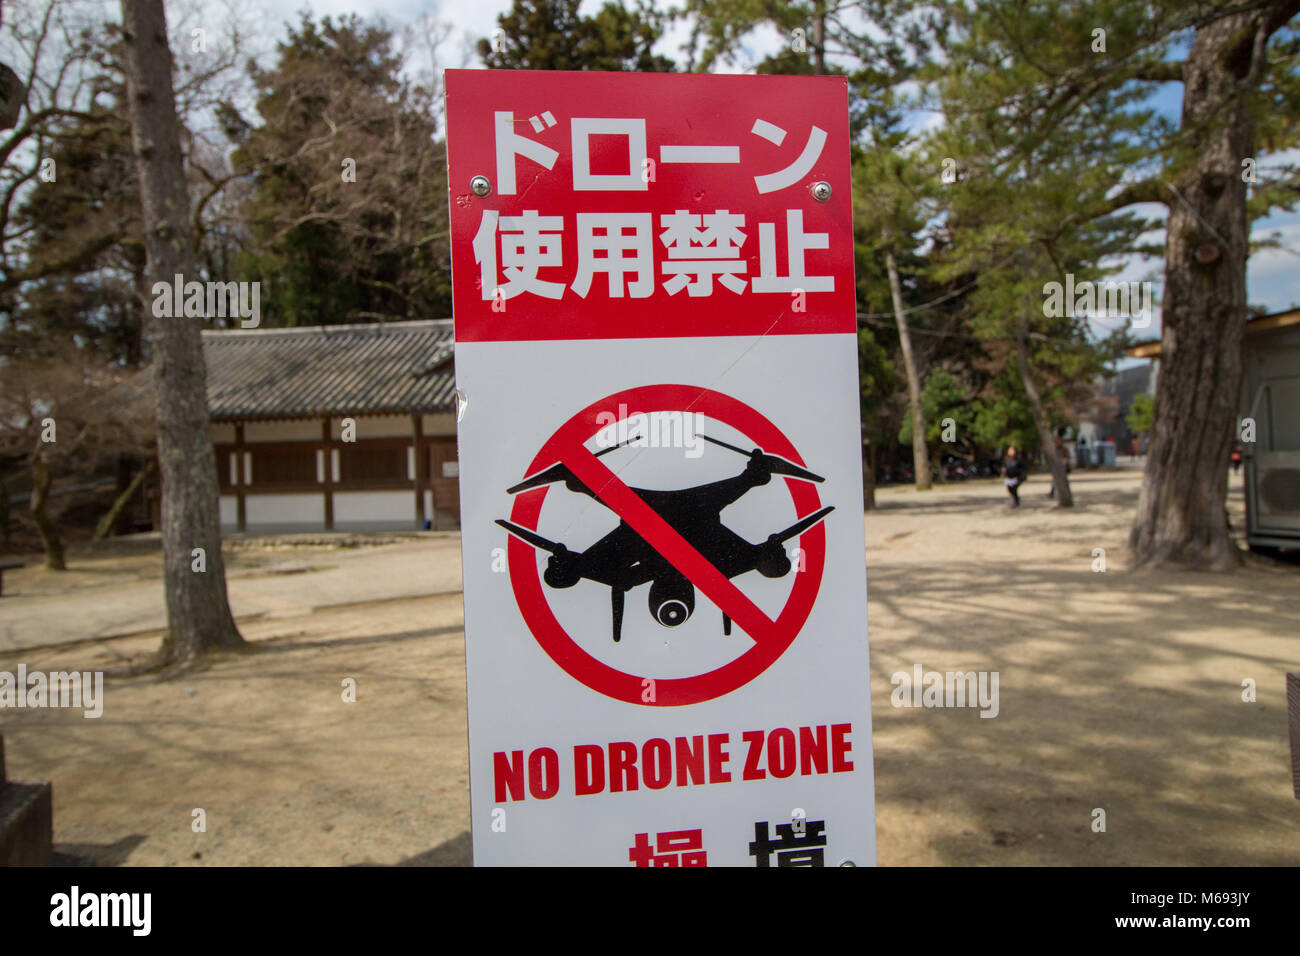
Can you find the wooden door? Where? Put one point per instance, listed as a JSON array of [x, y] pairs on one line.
[[444, 479]]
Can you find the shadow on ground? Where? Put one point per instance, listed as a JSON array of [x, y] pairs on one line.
[[1119, 691], [97, 854], [458, 851]]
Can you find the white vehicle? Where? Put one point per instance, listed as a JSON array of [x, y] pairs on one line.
[[1271, 400]]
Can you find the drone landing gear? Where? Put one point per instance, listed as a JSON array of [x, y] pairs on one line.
[[616, 605], [726, 626]]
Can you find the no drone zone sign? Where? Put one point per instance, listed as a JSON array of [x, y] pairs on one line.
[[660, 470]]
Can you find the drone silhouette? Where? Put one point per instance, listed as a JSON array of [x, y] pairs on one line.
[[623, 559]]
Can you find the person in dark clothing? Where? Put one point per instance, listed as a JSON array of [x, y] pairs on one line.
[[1013, 470]]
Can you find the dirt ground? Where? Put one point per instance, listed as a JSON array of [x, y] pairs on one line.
[[1118, 690]]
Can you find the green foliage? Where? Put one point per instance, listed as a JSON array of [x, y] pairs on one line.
[[554, 35], [329, 247], [1141, 416], [1003, 416], [81, 230], [942, 396], [875, 377], [1032, 192], [1052, 142], [876, 44]]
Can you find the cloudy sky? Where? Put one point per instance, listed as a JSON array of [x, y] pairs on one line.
[[1273, 276]]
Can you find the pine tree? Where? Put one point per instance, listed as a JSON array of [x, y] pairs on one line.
[[347, 196], [554, 35], [1050, 103]]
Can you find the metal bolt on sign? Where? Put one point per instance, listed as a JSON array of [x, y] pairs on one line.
[[821, 191], [480, 186]]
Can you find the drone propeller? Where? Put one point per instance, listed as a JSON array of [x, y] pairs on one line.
[[779, 466], [775, 464], [558, 472], [719, 441], [533, 538], [625, 441], [799, 527], [561, 472]]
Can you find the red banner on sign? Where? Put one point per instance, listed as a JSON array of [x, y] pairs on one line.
[[648, 205]]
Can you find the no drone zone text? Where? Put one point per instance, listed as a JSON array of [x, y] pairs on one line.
[[622, 766]]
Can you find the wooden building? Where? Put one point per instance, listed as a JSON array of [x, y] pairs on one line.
[[340, 427]]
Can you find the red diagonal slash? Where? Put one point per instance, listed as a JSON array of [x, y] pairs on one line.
[[661, 536]]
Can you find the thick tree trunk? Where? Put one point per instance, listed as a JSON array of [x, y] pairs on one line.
[[887, 455], [920, 457], [12, 93], [819, 37], [135, 356], [868, 474], [108, 524], [1181, 515], [41, 481], [4, 513], [1046, 440], [198, 614]]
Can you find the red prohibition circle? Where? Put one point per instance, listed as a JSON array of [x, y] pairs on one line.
[[599, 676]]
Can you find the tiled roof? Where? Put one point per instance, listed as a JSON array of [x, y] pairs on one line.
[[330, 370]]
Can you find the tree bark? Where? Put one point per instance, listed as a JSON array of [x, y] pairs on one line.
[[1046, 440], [4, 513], [198, 613], [108, 524], [41, 481], [920, 457], [12, 93], [135, 353], [819, 37], [868, 474], [1181, 513]]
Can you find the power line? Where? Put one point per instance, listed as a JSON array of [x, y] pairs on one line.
[[933, 302], [865, 318]]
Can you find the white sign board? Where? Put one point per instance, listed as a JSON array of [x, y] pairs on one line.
[[660, 465]]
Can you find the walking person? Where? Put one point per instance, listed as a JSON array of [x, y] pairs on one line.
[[1013, 470]]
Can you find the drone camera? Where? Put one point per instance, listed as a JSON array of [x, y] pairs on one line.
[[671, 604]]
